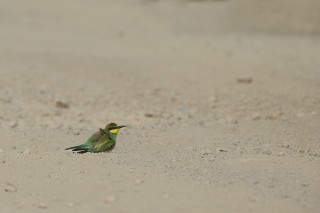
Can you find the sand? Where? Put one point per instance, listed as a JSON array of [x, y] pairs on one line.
[[222, 100]]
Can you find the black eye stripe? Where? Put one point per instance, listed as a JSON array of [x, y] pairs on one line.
[[111, 128]]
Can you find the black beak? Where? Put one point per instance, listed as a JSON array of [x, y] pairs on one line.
[[121, 127]]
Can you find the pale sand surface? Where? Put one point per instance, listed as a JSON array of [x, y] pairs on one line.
[[198, 140]]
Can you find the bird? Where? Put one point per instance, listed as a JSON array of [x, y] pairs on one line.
[[103, 140]]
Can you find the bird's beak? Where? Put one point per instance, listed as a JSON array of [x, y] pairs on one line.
[[121, 127]]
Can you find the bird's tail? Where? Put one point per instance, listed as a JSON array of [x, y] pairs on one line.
[[80, 149], [73, 147]]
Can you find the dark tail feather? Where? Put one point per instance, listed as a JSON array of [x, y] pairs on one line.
[[73, 147], [78, 149]]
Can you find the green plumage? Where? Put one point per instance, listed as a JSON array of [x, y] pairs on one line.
[[103, 140]]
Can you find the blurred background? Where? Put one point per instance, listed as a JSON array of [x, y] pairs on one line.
[[101, 55]]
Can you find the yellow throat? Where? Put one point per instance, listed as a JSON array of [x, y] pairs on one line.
[[114, 131]]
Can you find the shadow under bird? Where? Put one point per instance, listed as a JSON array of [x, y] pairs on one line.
[[103, 140]]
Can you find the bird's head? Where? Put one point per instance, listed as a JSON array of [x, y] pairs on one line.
[[113, 128]]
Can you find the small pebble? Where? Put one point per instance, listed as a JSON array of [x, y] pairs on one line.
[[42, 205], [281, 154], [256, 117], [286, 146], [13, 124], [211, 159], [60, 104], [271, 117], [267, 152], [148, 115], [212, 101], [10, 188], [244, 80], [206, 152], [139, 181], [109, 199], [26, 151]]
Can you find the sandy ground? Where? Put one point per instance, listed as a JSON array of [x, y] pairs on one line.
[[222, 99]]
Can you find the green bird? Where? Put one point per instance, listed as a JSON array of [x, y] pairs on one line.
[[103, 140]]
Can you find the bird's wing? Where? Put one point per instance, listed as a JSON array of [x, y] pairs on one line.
[[93, 139], [104, 143]]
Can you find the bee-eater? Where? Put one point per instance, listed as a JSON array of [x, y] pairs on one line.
[[103, 140]]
